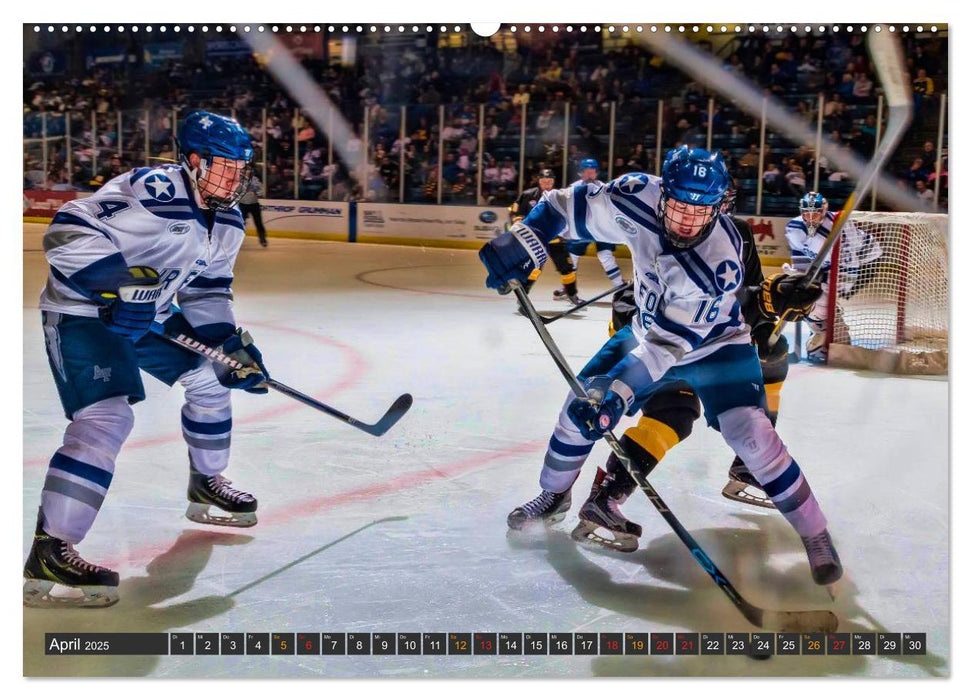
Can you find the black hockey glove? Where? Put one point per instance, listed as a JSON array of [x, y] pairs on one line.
[[790, 292]]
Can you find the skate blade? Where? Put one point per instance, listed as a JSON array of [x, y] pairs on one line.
[[736, 491], [199, 513], [586, 533], [37, 594]]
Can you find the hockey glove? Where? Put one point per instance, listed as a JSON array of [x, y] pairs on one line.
[[130, 311], [607, 400], [790, 292], [239, 346], [512, 256]]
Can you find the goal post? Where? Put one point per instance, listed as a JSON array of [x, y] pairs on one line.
[[891, 314]]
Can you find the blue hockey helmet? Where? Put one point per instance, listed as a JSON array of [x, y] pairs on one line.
[[813, 207], [220, 183], [589, 163], [693, 185]]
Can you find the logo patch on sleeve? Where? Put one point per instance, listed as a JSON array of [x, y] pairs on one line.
[[626, 225]]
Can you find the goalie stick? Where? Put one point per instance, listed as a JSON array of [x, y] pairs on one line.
[[776, 620], [390, 417], [557, 317], [888, 59]]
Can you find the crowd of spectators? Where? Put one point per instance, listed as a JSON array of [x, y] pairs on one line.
[[452, 89]]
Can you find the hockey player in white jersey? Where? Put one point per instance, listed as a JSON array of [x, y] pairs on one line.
[[119, 261], [806, 235], [589, 170], [689, 327]]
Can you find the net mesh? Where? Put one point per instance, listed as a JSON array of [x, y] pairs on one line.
[[898, 304]]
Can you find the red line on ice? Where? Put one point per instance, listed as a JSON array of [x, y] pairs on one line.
[[285, 514]]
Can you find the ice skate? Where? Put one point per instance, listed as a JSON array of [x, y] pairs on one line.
[[548, 508], [743, 487], [559, 293], [823, 560], [55, 562], [233, 508], [601, 521]]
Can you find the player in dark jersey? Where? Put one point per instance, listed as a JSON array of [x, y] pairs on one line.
[[668, 417], [558, 250]]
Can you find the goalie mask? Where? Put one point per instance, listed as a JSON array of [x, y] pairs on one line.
[[693, 184], [813, 207], [224, 149]]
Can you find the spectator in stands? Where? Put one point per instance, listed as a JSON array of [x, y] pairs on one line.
[[751, 159], [507, 174], [772, 179], [277, 186], [925, 195], [916, 171], [923, 87], [862, 86], [929, 154], [795, 180]]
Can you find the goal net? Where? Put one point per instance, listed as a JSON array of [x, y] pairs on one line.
[[891, 314]]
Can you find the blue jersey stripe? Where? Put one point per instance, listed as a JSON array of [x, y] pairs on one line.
[[545, 221], [63, 217], [202, 282], [692, 273], [702, 267], [580, 212], [632, 372], [235, 223], [688, 335], [104, 275], [636, 216], [733, 235], [138, 175]]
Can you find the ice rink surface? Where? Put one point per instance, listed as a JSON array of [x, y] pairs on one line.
[[407, 533]]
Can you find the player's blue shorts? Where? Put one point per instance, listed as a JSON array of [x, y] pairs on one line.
[[580, 247], [90, 363], [728, 378]]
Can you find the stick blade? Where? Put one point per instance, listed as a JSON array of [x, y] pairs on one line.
[[398, 409], [800, 621]]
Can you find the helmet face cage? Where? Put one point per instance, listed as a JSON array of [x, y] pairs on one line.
[[813, 207], [693, 186], [223, 182], [697, 217]]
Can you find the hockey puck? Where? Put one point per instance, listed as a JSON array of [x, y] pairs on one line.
[[760, 657]]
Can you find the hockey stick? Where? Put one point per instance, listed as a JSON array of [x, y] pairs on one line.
[[777, 620], [390, 417], [557, 317], [889, 61]]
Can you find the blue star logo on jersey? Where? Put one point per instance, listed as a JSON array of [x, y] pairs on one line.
[[633, 183], [160, 188], [727, 276]]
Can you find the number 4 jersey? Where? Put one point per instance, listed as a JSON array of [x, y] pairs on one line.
[[147, 217], [687, 305]]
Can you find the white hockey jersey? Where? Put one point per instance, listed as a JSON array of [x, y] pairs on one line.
[[686, 298], [857, 248], [146, 217]]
